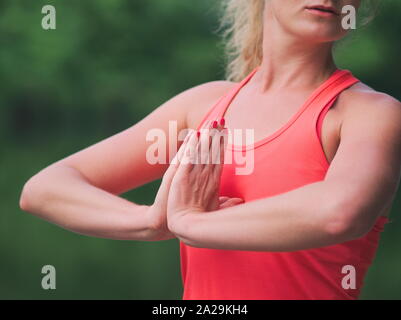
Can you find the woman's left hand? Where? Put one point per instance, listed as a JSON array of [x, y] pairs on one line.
[[196, 182]]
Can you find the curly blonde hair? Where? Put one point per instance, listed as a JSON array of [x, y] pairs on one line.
[[242, 31]]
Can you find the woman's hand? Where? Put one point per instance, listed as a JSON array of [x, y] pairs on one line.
[[158, 211], [196, 175]]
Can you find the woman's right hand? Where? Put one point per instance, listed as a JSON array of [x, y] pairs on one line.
[[158, 211]]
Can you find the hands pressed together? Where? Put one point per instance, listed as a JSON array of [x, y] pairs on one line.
[[191, 183]]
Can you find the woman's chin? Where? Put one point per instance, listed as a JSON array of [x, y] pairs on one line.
[[317, 35]]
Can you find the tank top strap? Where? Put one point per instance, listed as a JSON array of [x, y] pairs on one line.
[[219, 107], [326, 97]]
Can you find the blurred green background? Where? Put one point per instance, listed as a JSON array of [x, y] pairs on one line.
[[106, 66]]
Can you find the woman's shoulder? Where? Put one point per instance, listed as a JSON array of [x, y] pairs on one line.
[[211, 90], [191, 104], [362, 99], [363, 110]]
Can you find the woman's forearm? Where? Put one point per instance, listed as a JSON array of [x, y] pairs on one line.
[[300, 219], [64, 197]]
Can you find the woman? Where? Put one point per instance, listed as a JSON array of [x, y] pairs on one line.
[[304, 221]]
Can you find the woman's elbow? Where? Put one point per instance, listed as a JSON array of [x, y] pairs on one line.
[[345, 223], [30, 197], [25, 199]]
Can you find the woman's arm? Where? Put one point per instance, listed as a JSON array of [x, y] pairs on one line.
[[62, 195], [80, 192], [361, 181]]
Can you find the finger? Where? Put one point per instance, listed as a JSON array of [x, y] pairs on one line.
[[189, 153], [172, 169], [164, 188], [219, 138], [223, 145], [208, 124], [223, 199], [231, 202], [224, 141], [221, 123], [205, 142], [179, 155]]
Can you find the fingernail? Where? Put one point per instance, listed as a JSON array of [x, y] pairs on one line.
[[215, 124], [198, 134], [222, 121]]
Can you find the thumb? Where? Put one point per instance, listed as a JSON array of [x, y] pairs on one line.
[[171, 170], [227, 202]]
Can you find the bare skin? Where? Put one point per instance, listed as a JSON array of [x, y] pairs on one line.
[[355, 111], [360, 137], [81, 192], [361, 140]]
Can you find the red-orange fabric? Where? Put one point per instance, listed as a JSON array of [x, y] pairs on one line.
[[287, 159]]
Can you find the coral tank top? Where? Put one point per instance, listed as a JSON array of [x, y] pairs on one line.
[[287, 159]]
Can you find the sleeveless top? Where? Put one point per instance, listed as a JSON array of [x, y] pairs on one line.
[[287, 159]]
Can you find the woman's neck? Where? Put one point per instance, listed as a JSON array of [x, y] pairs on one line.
[[292, 62]]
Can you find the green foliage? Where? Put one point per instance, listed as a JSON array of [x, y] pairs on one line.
[[106, 66]]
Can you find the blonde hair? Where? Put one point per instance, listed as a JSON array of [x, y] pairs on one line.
[[242, 25], [242, 31]]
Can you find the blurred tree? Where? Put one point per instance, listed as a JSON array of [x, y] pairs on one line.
[[106, 66]]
